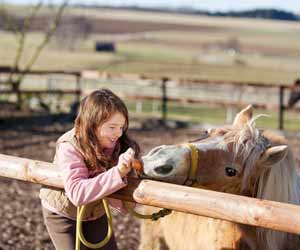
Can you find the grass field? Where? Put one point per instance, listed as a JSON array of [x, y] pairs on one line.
[[207, 115], [193, 46]]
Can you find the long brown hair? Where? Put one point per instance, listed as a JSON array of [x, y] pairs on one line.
[[94, 110]]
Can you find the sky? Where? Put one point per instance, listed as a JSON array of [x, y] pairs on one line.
[[211, 5]]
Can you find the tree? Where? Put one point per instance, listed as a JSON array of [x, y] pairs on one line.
[[72, 31], [20, 28]]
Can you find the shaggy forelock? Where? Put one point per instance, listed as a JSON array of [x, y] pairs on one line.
[[248, 145]]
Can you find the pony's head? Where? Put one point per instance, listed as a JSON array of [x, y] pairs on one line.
[[238, 159], [229, 159]]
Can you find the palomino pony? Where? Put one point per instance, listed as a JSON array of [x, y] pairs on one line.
[[238, 159]]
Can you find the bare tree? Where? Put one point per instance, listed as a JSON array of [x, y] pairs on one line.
[[20, 29], [72, 31]]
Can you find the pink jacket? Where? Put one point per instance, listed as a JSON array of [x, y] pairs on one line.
[[81, 186]]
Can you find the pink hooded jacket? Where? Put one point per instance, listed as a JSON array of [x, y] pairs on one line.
[[81, 185]]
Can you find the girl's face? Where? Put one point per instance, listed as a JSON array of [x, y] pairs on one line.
[[111, 130]]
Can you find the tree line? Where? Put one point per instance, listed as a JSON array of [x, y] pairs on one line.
[[276, 14]]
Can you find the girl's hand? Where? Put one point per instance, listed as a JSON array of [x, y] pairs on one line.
[[125, 160]]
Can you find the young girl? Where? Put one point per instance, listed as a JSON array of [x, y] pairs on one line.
[[95, 158]]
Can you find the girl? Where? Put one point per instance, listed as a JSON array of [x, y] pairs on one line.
[[95, 158]]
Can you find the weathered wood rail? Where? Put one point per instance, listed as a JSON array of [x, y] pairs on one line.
[[240, 209], [39, 92]]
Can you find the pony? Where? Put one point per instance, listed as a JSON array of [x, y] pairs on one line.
[[239, 159]]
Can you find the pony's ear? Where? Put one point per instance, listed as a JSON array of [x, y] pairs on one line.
[[243, 117], [273, 155]]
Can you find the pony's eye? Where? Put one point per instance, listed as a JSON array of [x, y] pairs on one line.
[[230, 171]]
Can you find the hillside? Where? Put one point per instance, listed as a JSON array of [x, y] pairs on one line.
[[223, 48]]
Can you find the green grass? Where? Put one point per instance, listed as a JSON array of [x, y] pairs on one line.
[[201, 114], [291, 120], [158, 53]]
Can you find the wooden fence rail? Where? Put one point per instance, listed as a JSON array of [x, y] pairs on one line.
[[40, 92], [263, 213]]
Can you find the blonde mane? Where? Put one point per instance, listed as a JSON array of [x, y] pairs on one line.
[[279, 182]]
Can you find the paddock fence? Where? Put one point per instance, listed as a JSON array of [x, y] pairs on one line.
[[160, 90]]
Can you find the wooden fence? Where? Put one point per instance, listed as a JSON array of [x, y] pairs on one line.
[[76, 91], [281, 87], [240, 209], [164, 97]]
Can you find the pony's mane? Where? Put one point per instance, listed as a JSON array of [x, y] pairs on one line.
[[248, 145], [279, 182]]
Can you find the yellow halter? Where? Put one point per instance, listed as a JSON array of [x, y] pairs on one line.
[[191, 177], [194, 162]]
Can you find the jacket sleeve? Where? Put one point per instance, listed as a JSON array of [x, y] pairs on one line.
[[81, 189]]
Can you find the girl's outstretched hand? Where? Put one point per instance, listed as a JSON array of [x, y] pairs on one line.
[[125, 160]]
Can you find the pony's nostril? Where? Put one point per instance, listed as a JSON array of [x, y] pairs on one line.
[[164, 169]]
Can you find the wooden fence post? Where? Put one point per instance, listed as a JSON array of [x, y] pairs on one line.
[[78, 87], [164, 99], [281, 107]]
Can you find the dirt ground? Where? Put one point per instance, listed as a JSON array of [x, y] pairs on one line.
[[21, 223]]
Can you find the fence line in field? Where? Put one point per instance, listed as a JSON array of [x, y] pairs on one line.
[[168, 89]]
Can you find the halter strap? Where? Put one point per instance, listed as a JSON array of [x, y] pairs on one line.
[[194, 162]]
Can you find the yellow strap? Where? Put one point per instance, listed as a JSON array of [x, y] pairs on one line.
[[194, 161], [79, 234]]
